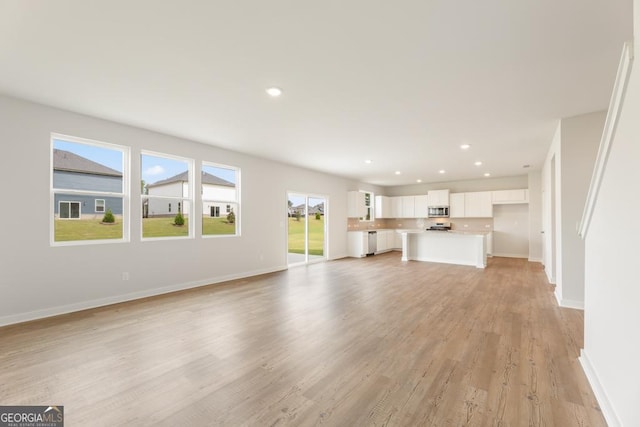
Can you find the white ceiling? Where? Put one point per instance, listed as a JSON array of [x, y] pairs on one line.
[[402, 83]]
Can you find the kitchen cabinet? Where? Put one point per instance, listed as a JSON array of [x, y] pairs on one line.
[[385, 240], [438, 198], [397, 240], [357, 243], [383, 207], [478, 204], [356, 204], [471, 205], [456, 206], [396, 207], [408, 207], [504, 197], [421, 206]]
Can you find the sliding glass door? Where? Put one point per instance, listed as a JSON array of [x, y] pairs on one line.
[[306, 229]]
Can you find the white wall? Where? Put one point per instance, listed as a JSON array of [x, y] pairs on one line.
[[611, 354], [535, 216], [39, 280], [580, 140], [571, 156], [511, 230]]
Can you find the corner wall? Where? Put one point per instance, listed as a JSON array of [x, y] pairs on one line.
[[611, 355], [38, 280], [566, 175]]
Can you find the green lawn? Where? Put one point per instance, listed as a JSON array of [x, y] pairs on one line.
[[217, 226], [316, 236], [91, 229], [163, 227], [86, 229]]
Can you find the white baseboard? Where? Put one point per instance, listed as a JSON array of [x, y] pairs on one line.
[[101, 302], [509, 255], [568, 303], [535, 260], [605, 405]]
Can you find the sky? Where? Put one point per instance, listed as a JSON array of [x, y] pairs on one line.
[[153, 168]]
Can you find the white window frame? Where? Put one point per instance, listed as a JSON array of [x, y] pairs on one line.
[[104, 206], [124, 195], [236, 202], [170, 199]]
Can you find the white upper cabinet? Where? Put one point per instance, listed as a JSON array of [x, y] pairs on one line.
[[478, 204], [471, 205], [356, 204], [421, 206], [408, 207], [503, 197], [383, 207], [438, 198], [456, 207]]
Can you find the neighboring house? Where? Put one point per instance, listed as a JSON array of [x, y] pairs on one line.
[[319, 208], [74, 172], [218, 196]]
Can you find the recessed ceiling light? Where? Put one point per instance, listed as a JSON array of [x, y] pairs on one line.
[[397, 172], [418, 180], [441, 171], [465, 146], [478, 163], [487, 174], [274, 91], [368, 161]]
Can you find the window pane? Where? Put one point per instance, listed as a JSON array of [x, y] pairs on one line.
[[99, 205], [163, 176], [216, 220], [78, 166], [219, 183], [161, 217], [76, 219]]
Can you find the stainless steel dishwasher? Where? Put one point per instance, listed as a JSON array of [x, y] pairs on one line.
[[373, 243]]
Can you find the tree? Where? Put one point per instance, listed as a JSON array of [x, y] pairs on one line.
[[108, 217], [179, 219], [231, 217], [297, 215], [318, 215]]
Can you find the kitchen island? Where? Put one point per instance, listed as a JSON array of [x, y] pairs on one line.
[[450, 247]]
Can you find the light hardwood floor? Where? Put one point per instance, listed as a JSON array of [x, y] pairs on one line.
[[353, 342]]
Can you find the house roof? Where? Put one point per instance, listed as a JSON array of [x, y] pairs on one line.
[[207, 178], [67, 161]]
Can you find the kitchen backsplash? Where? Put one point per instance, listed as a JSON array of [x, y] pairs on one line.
[[463, 224]]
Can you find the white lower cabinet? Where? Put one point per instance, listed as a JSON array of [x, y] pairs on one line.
[[357, 243]]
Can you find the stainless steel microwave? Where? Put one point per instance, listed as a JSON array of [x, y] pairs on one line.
[[438, 211]]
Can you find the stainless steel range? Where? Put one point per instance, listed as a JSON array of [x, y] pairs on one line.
[[439, 226]]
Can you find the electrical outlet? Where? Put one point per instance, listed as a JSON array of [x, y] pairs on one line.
[[125, 275], [466, 226]]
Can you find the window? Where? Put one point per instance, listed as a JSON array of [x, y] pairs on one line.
[[166, 183], [69, 210], [368, 202], [220, 192], [87, 179]]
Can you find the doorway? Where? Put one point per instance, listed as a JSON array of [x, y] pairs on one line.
[[306, 228]]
